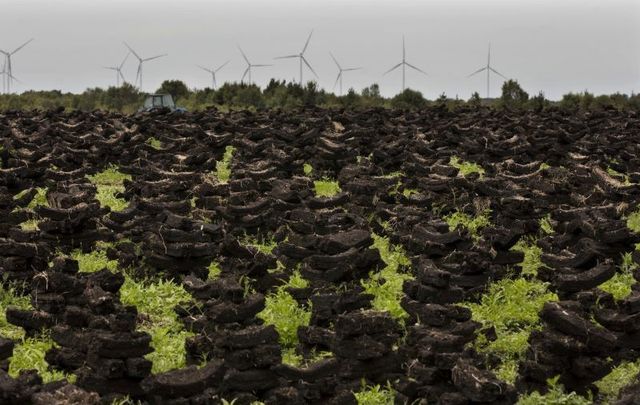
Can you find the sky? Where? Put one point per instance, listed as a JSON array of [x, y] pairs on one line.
[[553, 46]]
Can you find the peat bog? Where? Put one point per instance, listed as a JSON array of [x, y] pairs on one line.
[[320, 256]]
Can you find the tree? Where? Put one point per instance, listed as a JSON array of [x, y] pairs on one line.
[[176, 88], [538, 103], [513, 96], [409, 99], [475, 99]]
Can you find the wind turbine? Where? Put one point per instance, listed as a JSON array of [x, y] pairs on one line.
[[302, 58], [404, 64], [140, 62], [118, 70], [249, 66], [213, 72], [489, 69], [340, 71], [7, 70]]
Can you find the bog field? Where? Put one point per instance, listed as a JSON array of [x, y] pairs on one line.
[[476, 256]]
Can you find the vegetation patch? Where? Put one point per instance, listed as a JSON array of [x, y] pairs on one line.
[[326, 187], [620, 284], [386, 285], [545, 225], [265, 246], [29, 355], [376, 395], [555, 396], [532, 253], [9, 298], [109, 183], [621, 376], [214, 271], [624, 178], [283, 311], [307, 169], [633, 221], [466, 168], [223, 167], [511, 307], [470, 223], [154, 143], [156, 300], [94, 261]]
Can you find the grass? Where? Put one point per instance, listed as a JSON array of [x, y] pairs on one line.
[[466, 168], [624, 178], [29, 354], [265, 246], [620, 284], [386, 285], [110, 182], [376, 395], [511, 306], [555, 396], [408, 192], [40, 199], [532, 253], [283, 311], [472, 224], [30, 225], [326, 187], [156, 300], [621, 376], [94, 261], [307, 169], [223, 167], [545, 225], [633, 221], [10, 298], [154, 143], [214, 271]]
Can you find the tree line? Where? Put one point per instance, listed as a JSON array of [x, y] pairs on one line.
[[287, 95]]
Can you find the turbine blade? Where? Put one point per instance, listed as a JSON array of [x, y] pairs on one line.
[[132, 51], [350, 69], [243, 55], [337, 78], [393, 68], [309, 66], [12, 77], [154, 57], [21, 46], [498, 73], [125, 59], [262, 65], [205, 69], [334, 59], [122, 76], [110, 68], [221, 66], [477, 71], [286, 57], [307, 43], [419, 70], [245, 73]]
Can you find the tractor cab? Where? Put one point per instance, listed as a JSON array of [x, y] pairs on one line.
[[158, 101]]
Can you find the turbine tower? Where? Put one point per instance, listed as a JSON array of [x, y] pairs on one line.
[[140, 62], [404, 65], [213, 72], [489, 69], [7, 69], [249, 66], [118, 70], [302, 58], [340, 71]]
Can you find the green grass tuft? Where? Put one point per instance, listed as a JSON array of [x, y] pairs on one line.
[[29, 354], [386, 285], [10, 298], [376, 395], [621, 376], [214, 271], [108, 183], [620, 284], [40, 199], [555, 396], [466, 168], [154, 143], [472, 224], [94, 261], [307, 169], [532, 253], [326, 187], [265, 246], [156, 300], [545, 225], [511, 306], [223, 167], [633, 221]]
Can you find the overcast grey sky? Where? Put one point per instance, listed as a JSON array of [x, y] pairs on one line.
[[555, 46]]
